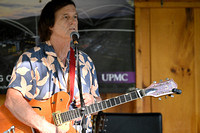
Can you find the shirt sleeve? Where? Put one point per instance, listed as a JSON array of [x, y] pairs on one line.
[[22, 78], [94, 83]]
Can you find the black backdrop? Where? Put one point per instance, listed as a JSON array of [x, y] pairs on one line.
[[106, 30]]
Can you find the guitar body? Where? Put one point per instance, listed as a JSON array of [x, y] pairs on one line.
[[59, 102]]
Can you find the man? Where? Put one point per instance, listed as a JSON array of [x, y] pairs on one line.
[[44, 70]]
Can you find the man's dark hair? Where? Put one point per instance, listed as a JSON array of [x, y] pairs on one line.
[[47, 17]]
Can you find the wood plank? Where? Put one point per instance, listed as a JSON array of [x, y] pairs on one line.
[[172, 41], [197, 64], [2, 98], [166, 4], [142, 50]]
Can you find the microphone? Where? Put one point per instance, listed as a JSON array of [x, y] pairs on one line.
[[75, 36]]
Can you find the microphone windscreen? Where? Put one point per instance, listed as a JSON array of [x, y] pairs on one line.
[[74, 36]]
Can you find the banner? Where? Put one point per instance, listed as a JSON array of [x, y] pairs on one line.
[[107, 35]]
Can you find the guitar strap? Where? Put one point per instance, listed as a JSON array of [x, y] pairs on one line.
[[71, 73]]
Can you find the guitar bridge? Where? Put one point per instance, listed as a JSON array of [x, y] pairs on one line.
[[57, 118]]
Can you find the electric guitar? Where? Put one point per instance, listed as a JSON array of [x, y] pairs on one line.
[[55, 110]]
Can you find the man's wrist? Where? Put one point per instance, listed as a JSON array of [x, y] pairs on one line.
[[95, 100]]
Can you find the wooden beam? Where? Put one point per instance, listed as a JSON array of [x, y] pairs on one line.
[[142, 50], [167, 4], [197, 64]]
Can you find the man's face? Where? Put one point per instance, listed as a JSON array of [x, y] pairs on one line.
[[66, 21]]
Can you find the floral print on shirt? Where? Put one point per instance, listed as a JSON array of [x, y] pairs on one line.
[[39, 74]]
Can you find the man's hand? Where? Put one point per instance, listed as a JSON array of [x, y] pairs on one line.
[[88, 100]]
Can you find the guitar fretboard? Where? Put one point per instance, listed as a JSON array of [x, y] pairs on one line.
[[99, 106]]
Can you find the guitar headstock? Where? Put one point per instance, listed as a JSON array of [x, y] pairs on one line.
[[162, 88]]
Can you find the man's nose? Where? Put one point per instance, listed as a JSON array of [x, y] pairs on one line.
[[73, 21]]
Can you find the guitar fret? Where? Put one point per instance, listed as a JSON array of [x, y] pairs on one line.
[[96, 107], [112, 101], [71, 114], [79, 112], [74, 115], [128, 98], [122, 98], [133, 95], [62, 117], [68, 115], [88, 108], [108, 103], [117, 100], [125, 98], [100, 106], [65, 116], [104, 104], [77, 115], [92, 107]]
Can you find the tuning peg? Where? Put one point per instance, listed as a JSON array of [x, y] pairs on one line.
[[171, 95], [159, 99], [154, 82], [177, 91], [167, 78], [165, 97], [161, 80]]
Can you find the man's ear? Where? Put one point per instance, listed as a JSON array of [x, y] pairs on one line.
[[50, 28]]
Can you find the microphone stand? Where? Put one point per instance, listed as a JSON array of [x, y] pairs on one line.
[[82, 111]]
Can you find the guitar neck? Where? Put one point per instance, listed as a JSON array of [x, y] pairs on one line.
[[99, 106]]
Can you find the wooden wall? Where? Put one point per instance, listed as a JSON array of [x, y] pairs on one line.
[[167, 46], [2, 99]]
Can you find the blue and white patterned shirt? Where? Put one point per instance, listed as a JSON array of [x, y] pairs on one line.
[[39, 74]]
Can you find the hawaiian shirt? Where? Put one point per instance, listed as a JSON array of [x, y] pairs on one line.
[[39, 74]]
